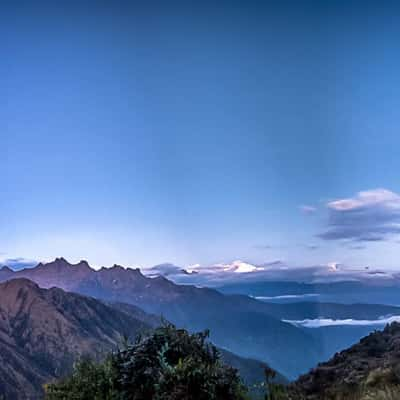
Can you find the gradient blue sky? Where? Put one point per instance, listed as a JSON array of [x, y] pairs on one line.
[[194, 133]]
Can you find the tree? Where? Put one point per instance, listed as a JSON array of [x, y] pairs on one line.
[[170, 364], [88, 381], [275, 391]]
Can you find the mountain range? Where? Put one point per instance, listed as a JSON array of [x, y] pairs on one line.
[[254, 333], [44, 331], [240, 273], [257, 329]]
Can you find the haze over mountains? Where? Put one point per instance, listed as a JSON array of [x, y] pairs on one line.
[[44, 331], [342, 291], [244, 272], [368, 370], [249, 273], [253, 331], [257, 329]]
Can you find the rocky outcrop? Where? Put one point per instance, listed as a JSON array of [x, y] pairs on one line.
[[368, 370]]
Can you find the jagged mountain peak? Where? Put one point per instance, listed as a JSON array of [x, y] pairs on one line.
[[84, 263], [189, 306], [118, 267], [72, 277], [61, 262]]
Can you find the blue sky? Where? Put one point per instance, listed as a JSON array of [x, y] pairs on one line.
[[140, 134]]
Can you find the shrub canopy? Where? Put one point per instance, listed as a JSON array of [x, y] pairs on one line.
[[170, 364]]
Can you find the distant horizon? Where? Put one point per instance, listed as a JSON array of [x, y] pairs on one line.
[[236, 272]]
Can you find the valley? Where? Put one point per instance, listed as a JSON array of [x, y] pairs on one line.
[[277, 334]]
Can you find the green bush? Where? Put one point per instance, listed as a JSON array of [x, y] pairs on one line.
[[275, 391], [170, 364]]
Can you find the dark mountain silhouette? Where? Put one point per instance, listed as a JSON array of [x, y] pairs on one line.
[[253, 331], [42, 331], [255, 328], [367, 370]]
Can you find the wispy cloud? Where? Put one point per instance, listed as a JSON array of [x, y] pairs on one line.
[[321, 322], [287, 296], [311, 247], [18, 263], [357, 247], [166, 269], [308, 210], [369, 216], [263, 247], [241, 271]]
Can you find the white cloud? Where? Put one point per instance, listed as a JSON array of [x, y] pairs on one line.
[[166, 269], [377, 197], [18, 263], [239, 267], [242, 271], [333, 266], [372, 215], [306, 209], [287, 296], [193, 268], [322, 322]]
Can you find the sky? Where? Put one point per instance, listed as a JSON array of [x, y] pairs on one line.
[[140, 133]]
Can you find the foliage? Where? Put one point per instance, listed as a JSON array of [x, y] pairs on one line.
[[88, 381], [170, 364], [275, 391]]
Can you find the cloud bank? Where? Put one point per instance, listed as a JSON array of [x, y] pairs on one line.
[[372, 215], [287, 296], [242, 271], [18, 263], [322, 322], [167, 269]]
